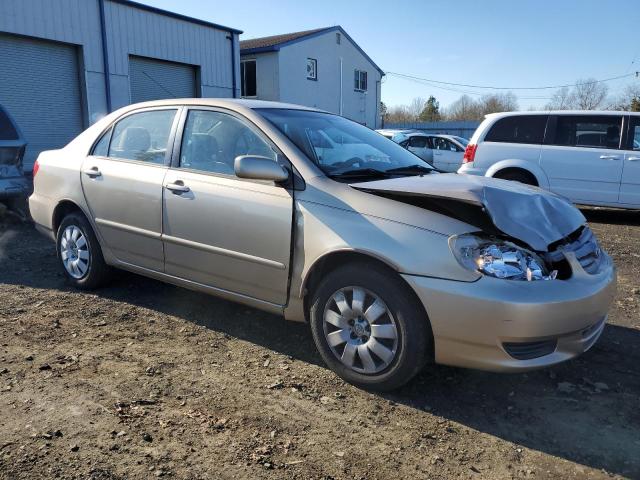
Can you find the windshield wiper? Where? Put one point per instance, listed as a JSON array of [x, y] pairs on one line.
[[411, 170], [360, 173]]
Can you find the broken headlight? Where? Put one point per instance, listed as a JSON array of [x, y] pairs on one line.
[[499, 259]]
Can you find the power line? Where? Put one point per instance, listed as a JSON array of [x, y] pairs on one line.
[[549, 87]]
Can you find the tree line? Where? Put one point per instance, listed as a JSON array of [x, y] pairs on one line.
[[586, 94]]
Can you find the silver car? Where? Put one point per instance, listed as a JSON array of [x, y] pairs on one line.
[[392, 264]]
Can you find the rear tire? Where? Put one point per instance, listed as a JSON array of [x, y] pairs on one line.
[[356, 338], [517, 176], [80, 254]]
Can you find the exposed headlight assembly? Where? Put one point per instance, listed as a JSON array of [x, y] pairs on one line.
[[499, 259]]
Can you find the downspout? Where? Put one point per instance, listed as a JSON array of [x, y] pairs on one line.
[[377, 110], [233, 64], [105, 56], [341, 86]]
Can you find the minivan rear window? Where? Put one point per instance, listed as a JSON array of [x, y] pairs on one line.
[[518, 129]]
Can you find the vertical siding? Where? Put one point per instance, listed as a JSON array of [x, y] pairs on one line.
[[131, 31]]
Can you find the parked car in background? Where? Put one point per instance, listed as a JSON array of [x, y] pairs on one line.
[[392, 265], [12, 146], [442, 151], [592, 158]]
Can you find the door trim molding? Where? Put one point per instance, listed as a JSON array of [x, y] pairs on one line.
[[223, 251], [128, 228]]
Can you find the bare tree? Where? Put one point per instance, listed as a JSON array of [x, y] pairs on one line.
[[627, 100], [498, 102], [589, 94], [563, 99], [465, 108], [416, 106]]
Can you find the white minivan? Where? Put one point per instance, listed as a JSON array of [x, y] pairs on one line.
[[590, 157]]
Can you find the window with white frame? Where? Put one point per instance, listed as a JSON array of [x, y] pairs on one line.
[[312, 69], [360, 78], [248, 85]]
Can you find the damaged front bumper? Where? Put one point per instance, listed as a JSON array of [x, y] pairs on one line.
[[505, 325]]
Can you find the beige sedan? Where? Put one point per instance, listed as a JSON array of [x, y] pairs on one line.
[[312, 216]]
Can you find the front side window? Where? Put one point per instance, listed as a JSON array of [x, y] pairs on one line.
[[518, 129], [212, 141], [360, 81], [440, 143], [248, 86], [312, 69], [341, 147], [592, 131], [143, 136]]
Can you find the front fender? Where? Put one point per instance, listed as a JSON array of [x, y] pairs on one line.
[[532, 168]]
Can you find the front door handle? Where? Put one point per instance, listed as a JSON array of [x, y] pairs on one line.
[[609, 157], [633, 159], [177, 187], [92, 172]]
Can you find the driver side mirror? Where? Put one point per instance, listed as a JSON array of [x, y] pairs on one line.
[[255, 167]]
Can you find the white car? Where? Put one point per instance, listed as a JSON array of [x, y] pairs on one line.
[[444, 152], [592, 158]]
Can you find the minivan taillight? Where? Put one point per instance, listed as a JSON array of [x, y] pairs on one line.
[[36, 167], [469, 153]]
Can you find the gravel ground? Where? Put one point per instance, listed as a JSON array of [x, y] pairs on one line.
[[146, 380]]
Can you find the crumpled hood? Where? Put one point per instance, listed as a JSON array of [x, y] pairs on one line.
[[530, 214]]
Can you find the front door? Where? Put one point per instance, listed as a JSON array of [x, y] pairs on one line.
[[630, 186], [582, 157], [220, 230], [122, 183]]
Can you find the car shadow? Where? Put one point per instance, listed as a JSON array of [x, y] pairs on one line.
[[611, 215], [585, 411]]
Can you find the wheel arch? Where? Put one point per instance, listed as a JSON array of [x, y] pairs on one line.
[[523, 165], [64, 208]]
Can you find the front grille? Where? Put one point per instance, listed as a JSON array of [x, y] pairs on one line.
[[529, 350], [585, 248]]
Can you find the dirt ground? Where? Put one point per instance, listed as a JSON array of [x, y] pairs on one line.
[[145, 380]]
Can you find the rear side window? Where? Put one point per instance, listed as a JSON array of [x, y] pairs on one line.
[[7, 130], [518, 129], [590, 131], [142, 136]]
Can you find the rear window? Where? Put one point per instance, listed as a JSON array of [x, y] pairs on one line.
[[7, 130], [592, 131], [518, 129]]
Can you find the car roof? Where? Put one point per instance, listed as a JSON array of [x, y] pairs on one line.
[[222, 102], [560, 112]]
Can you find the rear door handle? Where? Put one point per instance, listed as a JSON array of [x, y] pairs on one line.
[[633, 159], [177, 188], [92, 172], [609, 157]]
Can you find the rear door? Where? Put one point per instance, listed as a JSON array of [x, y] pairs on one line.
[[122, 183], [447, 156], [630, 184], [582, 157]]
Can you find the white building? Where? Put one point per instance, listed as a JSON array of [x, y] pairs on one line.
[[321, 68]]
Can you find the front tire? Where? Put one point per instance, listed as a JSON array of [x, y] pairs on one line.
[[80, 254], [369, 328]]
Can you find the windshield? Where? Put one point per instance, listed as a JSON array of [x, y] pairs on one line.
[[341, 147]]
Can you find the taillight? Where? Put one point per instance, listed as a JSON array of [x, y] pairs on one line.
[[469, 153], [36, 167]]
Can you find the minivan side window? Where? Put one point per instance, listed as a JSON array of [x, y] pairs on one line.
[[591, 131], [518, 129], [634, 134], [142, 136]]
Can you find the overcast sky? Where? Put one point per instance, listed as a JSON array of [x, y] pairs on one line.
[[491, 42]]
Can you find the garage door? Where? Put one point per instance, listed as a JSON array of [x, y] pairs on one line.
[[156, 79], [40, 87]]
